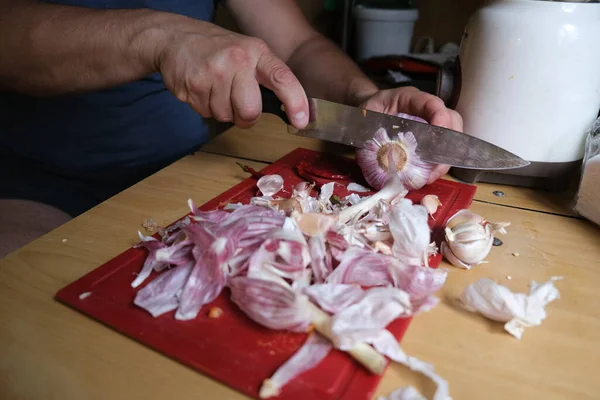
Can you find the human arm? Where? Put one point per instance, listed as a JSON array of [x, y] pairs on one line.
[[58, 49], [326, 72]]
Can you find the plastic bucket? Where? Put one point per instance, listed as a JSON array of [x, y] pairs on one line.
[[383, 31]]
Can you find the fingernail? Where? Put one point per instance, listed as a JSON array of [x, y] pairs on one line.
[[300, 117]]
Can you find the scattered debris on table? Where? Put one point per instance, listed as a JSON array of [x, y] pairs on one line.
[[84, 295], [150, 225], [215, 312]]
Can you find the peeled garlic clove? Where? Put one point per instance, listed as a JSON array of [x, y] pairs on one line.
[[431, 202]]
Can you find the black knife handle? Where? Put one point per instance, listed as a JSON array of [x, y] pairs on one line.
[[272, 105]]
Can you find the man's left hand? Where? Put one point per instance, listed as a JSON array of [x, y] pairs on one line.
[[412, 101]]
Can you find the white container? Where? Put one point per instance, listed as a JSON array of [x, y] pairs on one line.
[[531, 77], [529, 82], [383, 32]]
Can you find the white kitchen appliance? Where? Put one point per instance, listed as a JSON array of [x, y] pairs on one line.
[[527, 79]]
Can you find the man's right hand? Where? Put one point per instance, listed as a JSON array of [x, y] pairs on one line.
[[218, 73]]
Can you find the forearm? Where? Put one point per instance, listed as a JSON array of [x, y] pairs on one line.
[[57, 49], [327, 73]]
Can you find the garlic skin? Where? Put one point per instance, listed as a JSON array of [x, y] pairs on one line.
[[374, 160], [356, 187], [431, 203], [269, 185], [404, 393], [469, 239], [412, 236], [517, 310]]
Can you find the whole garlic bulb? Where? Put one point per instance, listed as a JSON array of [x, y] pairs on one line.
[[469, 238]]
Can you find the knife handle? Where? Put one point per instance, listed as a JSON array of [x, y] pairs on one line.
[[272, 105]]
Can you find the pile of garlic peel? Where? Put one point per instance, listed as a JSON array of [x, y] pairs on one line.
[[341, 270], [517, 310], [298, 264]]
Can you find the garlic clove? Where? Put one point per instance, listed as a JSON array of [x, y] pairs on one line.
[[462, 217], [431, 202], [449, 255]]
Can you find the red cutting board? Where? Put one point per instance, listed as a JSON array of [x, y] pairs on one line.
[[234, 349]]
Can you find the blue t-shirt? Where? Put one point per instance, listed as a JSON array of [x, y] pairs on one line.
[[118, 129]]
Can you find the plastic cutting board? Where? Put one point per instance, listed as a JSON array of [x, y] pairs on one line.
[[233, 349]]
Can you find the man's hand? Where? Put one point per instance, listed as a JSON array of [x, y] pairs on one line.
[[214, 70], [218, 73], [412, 101]]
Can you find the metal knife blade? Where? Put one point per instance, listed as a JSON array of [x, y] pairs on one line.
[[353, 126]]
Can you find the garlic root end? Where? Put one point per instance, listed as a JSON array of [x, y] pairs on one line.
[[268, 389], [362, 352]]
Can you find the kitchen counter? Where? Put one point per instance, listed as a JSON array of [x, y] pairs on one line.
[[49, 351]]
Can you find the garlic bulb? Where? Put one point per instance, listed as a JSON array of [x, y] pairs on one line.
[[469, 238], [374, 160], [518, 310]]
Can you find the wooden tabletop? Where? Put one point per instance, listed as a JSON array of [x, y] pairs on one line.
[[48, 351]]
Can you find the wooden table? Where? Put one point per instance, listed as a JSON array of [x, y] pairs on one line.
[[48, 351]]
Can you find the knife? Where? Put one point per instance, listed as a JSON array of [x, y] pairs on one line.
[[353, 126]]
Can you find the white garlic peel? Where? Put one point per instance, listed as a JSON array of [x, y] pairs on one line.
[[517, 310], [469, 238], [405, 393]]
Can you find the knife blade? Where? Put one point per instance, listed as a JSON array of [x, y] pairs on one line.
[[354, 126]]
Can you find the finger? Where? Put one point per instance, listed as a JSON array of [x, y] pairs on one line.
[[220, 100], [198, 94], [457, 121], [272, 73], [245, 99], [200, 105], [442, 118], [425, 105], [437, 173], [377, 104]]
